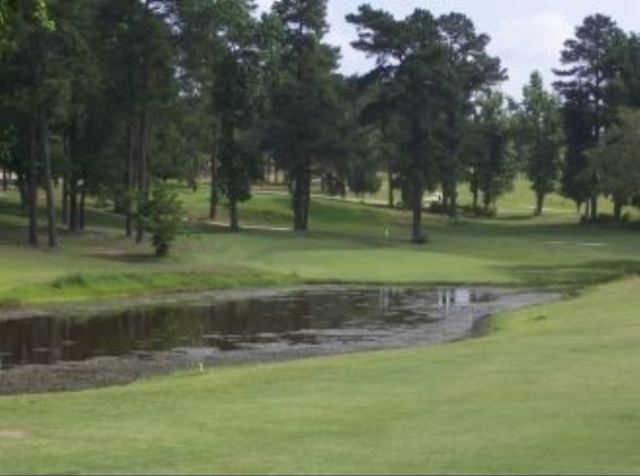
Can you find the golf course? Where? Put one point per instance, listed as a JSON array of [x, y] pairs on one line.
[[549, 389], [319, 237]]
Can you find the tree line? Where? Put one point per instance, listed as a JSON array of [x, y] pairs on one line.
[[113, 98]]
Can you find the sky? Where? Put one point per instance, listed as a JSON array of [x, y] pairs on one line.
[[526, 34]]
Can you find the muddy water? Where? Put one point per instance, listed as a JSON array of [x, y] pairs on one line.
[[88, 348]]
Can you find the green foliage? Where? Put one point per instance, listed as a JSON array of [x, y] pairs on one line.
[[469, 70], [14, 14], [493, 164], [123, 92], [539, 130], [428, 71], [236, 98], [162, 215], [588, 85], [305, 104], [617, 161]]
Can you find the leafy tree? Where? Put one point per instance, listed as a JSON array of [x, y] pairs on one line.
[[384, 128], [540, 131], [617, 161], [138, 53], [30, 94], [493, 167], [240, 97], [201, 40], [411, 64], [7, 147], [11, 13], [305, 102], [628, 81], [587, 84], [469, 70]]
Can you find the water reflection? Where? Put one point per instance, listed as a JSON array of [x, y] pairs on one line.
[[307, 317]]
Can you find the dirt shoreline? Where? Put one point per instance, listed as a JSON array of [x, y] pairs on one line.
[[102, 372]]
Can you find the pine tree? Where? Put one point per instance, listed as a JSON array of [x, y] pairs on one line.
[[539, 125], [587, 84]]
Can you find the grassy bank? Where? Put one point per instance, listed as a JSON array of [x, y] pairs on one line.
[[551, 390], [348, 242]]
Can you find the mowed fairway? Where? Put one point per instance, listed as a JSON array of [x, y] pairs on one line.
[[348, 242], [551, 390]]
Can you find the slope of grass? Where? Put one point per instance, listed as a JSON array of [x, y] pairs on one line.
[[550, 391]]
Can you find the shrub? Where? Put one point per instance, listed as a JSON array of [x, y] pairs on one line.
[[161, 216]]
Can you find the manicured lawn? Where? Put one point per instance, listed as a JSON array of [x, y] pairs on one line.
[[551, 390], [347, 242]]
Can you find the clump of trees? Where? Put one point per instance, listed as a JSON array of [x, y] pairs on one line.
[[598, 80], [100, 98], [617, 161], [428, 74]]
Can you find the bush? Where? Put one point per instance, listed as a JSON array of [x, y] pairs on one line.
[[75, 279], [479, 212], [161, 216], [437, 208]]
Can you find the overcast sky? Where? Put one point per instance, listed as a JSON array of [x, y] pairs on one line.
[[526, 34]]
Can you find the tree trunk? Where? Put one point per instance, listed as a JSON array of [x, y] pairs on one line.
[[617, 209], [83, 197], [302, 197], [32, 186], [214, 196], [417, 236], [5, 179], [453, 204], [24, 193], [65, 180], [486, 201], [48, 181], [213, 199], [587, 211], [474, 191], [142, 172], [65, 201], [306, 198], [73, 205], [594, 208], [392, 202], [450, 197], [539, 204], [298, 203], [131, 175], [234, 225]]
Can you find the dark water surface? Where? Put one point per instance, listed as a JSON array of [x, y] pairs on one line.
[[107, 346]]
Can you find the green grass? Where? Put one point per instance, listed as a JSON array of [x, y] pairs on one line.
[[551, 390], [348, 242]]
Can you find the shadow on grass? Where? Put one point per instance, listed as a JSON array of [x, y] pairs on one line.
[[516, 218], [584, 274]]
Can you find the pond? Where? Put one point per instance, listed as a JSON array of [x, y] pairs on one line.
[[116, 344]]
